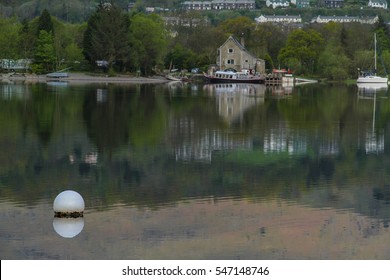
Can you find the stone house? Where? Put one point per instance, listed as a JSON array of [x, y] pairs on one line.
[[233, 54]]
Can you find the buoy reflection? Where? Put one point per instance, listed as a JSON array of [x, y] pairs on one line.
[[68, 227]]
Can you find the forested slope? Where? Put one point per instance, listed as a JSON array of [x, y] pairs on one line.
[[69, 10]]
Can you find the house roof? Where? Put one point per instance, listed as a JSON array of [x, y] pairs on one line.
[[232, 38], [242, 48], [279, 1], [378, 1], [336, 17], [279, 16]]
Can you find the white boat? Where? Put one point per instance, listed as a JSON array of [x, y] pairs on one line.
[[175, 78], [372, 77], [57, 75], [230, 76]]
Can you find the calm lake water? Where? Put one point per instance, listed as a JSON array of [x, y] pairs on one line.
[[194, 171]]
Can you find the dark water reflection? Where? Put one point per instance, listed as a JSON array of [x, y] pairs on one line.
[[192, 171]]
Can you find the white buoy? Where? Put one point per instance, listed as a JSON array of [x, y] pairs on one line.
[[68, 227], [68, 204]]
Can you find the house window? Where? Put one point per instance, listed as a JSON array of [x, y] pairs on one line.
[[230, 50], [230, 61], [246, 60]]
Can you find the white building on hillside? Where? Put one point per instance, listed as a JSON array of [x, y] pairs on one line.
[[345, 19], [339, 19], [377, 4], [277, 3], [278, 19], [219, 5]]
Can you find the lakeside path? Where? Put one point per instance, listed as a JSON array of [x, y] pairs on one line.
[[80, 78]]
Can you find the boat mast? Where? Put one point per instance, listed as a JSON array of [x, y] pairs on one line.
[[375, 53]]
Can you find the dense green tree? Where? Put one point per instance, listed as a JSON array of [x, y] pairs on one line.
[[382, 32], [198, 36], [45, 23], [303, 46], [180, 58], [333, 63], [106, 36], [267, 39], [385, 58], [44, 54], [9, 35], [216, 17], [343, 37], [73, 55], [269, 64], [26, 40], [68, 44], [148, 42], [363, 60], [330, 31], [240, 27], [358, 38]]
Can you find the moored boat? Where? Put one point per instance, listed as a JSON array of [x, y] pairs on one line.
[[57, 75], [372, 78], [230, 76], [368, 77]]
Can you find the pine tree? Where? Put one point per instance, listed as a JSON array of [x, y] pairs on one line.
[[106, 36], [26, 40], [45, 22], [44, 54]]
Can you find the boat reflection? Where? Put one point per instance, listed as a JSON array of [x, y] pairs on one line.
[[368, 90], [256, 90], [374, 139], [280, 92]]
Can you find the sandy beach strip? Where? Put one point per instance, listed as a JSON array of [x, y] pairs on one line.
[[80, 78]]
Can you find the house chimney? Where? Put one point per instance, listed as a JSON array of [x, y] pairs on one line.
[[242, 40]]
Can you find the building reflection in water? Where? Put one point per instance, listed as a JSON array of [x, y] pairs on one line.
[[232, 101], [11, 90]]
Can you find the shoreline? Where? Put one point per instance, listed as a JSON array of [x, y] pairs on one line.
[[81, 78]]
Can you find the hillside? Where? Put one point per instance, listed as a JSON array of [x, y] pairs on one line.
[[80, 10], [69, 10]]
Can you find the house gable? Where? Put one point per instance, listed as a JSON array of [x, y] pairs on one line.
[[233, 54]]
